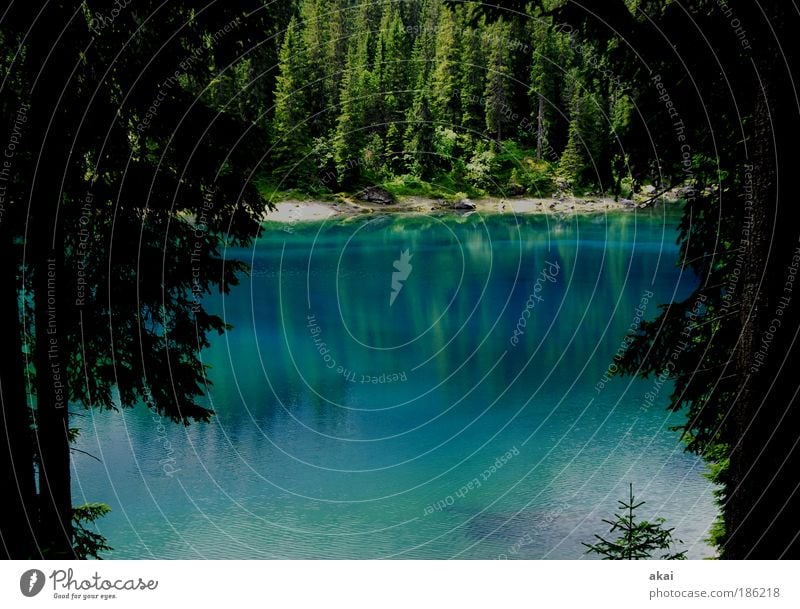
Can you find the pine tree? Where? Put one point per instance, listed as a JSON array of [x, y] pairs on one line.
[[573, 159], [445, 77], [571, 164], [351, 109], [290, 126], [545, 81], [498, 84], [637, 540], [317, 92], [359, 98], [420, 133], [421, 148], [337, 37], [472, 78], [582, 159], [394, 48]]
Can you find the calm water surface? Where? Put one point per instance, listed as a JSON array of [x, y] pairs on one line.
[[467, 418]]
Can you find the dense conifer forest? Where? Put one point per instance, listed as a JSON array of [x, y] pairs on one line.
[[411, 94]]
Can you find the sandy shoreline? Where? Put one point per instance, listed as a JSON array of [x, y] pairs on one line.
[[315, 211]]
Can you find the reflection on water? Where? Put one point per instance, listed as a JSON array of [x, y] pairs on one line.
[[467, 417]]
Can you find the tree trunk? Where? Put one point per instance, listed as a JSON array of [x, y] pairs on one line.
[[51, 136], [763, 496], [52, 420], [753, 305], [540, 129], [18, 525]]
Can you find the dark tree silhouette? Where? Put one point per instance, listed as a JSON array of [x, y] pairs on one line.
[[128, 183], [729, 131]]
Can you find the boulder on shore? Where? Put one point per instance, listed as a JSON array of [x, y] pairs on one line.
[[464, 205], [376, 194]]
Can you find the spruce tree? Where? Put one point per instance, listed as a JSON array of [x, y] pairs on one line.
[[445, 77], [546, 78], [498, 84], [337, 39], [359, 98], [637, 539], [472, 79], [422, 131], [582, 157], [290, 124], [395, 48], [317, 92]]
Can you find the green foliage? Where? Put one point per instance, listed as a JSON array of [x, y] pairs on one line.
[[446, 143], [718, 460], [446, 72], [518, 166], [421, 152], [546, 82], [443, 188], [394, 45], [373, 155], [586, 141], [318, 92], [274, 192], [535, 178], [87, 543], [472, 83], [359, 98], [636, 540], [498, 91], [571, 164], [480, 171], [290, 123]]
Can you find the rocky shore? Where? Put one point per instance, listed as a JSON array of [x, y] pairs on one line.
[[349, 206]]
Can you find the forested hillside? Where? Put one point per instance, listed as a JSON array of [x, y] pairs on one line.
[[424, 92]]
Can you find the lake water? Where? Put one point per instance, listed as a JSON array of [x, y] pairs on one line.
[[465, 417]]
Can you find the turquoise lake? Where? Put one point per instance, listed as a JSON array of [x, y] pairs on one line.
[[465, 417]]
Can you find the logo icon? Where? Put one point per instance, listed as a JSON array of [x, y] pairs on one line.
[[403, 266], [31, 582]]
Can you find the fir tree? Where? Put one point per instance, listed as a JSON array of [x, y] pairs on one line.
[[290, 125], [472, 81], [337, 39], [445, 77], [582, 157], [421, 149], [359, 93], [546, 79], [498, 84], [394, 47], [317, 92], [637, 540]]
